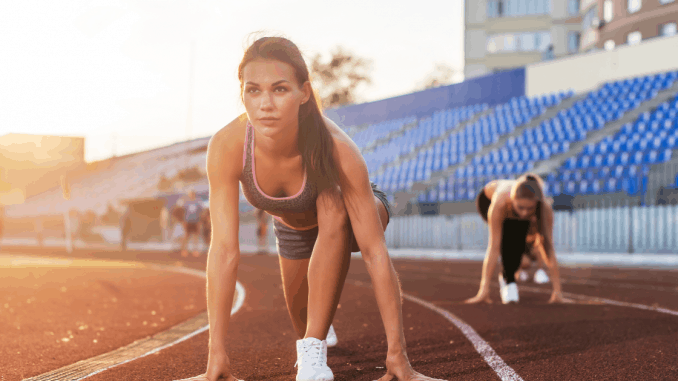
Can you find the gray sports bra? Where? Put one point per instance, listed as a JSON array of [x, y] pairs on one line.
[[301, 202]]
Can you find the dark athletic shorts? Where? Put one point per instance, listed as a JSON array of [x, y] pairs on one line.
[[298, 244]]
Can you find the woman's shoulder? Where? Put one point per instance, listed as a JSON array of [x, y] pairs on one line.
[[343, 143], [230, 139], [498, 189]]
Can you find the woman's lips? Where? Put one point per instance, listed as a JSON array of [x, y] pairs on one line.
[[268, 121]]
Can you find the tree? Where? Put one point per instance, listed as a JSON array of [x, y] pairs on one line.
[[441, 75], [336, 81]]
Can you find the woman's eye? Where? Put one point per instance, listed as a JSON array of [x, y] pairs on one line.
[[280, 89], [251, 89]]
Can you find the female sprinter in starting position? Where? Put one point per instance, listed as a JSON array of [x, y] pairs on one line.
[[304, 170], [519, 219]]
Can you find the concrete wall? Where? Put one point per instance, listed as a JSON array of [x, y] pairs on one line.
[[585, 72]]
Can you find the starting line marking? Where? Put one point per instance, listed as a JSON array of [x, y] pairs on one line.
[[573, 296], [505, 372], [140, 348]]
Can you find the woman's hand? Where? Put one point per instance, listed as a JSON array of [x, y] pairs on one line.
[[399, 368], [558, 298], [481, 297], [218, 369]]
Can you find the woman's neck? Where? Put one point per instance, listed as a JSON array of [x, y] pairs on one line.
[[282, 145]]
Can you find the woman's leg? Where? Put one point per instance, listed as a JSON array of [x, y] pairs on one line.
[[295, 286], [511, 260], [333, 261], [329, 267]]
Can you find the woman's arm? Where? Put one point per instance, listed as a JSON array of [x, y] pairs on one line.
[[548, 253], [359, 201], [495, 219], [369, 233], [224, 165]]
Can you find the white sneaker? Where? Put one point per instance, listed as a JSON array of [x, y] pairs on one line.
[[502, 282], [540, 277], [522, 276], [508, 292], [312, 360], [331, 337]]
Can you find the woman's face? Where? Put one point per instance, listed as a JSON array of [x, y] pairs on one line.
[[272, 96], [524, 207]]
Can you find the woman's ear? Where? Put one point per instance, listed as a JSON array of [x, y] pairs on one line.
[[307, 91]]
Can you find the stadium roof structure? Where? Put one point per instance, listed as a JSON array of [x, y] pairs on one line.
[[117, 180]]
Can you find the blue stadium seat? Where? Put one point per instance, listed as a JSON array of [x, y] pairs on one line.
[[611, 185], [570, 188], [664, 156]]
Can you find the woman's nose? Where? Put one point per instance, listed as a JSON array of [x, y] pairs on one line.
[[266, 102]]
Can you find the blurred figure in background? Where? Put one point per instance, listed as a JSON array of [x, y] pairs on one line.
[[74, 217], [206, 225], [262, 232], [125, 228], [165, 224], [193, 210], [520, 219]]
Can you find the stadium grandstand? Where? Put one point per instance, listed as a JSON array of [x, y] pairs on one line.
[[612, 139]]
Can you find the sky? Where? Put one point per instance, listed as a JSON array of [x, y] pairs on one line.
[[119, 72]]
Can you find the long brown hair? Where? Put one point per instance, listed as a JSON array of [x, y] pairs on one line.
[[315, 141], [530, 186]]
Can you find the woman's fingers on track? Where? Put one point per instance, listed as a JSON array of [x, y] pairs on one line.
[[202, 377], [478, 299], [416, 377]]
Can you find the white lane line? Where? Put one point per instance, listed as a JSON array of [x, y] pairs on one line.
[[566, 294], [604, 300], [505, 372], [101, 362], [491, 357]]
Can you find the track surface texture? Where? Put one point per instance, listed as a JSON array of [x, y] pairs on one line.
[[588, 339], [54, 315]]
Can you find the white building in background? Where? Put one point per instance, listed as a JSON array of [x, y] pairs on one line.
[[504, 34]]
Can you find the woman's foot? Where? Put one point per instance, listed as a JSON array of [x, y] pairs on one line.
[[312, 360], [540, 277], [508, 292]]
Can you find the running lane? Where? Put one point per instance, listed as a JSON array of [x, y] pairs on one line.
[[55, 312], [585, 340], [262, 342]]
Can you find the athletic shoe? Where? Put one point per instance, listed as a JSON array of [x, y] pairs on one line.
[[540, 277], [502, 282], [312, 360], [331, 337], [522, 276], [508, 292]]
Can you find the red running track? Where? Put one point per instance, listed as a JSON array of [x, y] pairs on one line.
[[588, 339]]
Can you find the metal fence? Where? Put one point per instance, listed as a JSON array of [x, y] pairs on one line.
[[617, 229], [621, 229]]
